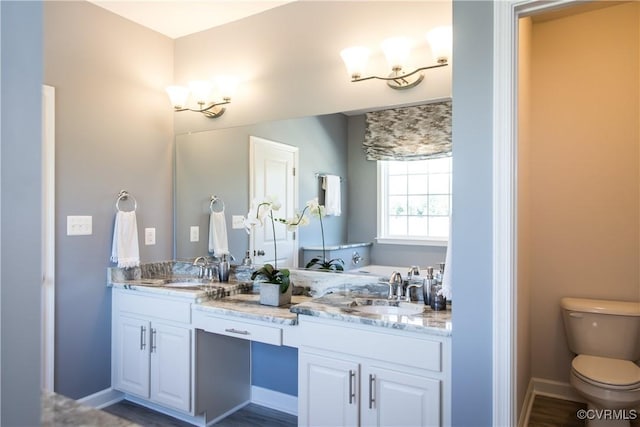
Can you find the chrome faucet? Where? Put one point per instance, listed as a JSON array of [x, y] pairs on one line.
[[413, 271], [395, 286], [201, 263]]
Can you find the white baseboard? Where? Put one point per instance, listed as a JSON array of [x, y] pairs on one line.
[[525, 411], [274, 400], [103, 398], [557, 389]]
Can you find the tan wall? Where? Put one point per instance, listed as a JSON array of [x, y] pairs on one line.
[[584, 165], [523, 357]]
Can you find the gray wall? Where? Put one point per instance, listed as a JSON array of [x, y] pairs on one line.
[[217, 162], [113, 131], [288, 61], [472, 340], [20, 201]]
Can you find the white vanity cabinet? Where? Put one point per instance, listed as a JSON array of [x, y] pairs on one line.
[[352, 375], [152, 349]]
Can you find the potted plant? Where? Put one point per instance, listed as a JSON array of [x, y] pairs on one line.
[[336, 264], [275, 284]]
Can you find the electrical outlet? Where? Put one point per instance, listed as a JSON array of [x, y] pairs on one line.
[[194, 233], [79, 225], [237, 221], [149, 236]]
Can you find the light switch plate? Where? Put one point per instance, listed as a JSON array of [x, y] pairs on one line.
[[150, 236], [237, 221], [194, 233], [78, 225]]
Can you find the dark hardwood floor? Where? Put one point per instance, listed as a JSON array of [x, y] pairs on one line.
[[545, 412], [251, 415], [550, 412]]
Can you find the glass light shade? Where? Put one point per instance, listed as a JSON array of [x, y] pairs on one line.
[[441, 40], [201, 90], [178, 95], [397, 51], [355, 59], [227, 86]]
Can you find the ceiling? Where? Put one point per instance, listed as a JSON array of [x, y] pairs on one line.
[[180, 18]]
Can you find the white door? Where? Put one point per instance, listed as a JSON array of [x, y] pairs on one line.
[[132, 356], [328, 391], [397, 399], [171, 366], [273, 167]]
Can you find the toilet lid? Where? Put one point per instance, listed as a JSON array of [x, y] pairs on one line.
[[614, 372]]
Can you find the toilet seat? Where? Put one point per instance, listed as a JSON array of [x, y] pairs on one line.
[[610, 373]]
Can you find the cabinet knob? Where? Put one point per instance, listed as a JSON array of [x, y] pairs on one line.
[[259, 252]]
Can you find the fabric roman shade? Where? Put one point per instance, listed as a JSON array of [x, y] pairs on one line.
[[409, 133]]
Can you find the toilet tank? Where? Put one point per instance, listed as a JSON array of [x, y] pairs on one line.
[[602, 327]]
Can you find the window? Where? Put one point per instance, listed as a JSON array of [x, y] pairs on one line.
[[414, 201]]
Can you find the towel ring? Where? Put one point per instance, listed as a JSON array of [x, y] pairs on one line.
[[214, 200], [124, 195]]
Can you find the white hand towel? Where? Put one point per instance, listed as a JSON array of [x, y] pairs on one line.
[[124, 249], [331, 186], [447, 291], [218, 243]]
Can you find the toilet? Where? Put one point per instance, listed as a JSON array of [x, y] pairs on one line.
[[605, 336]]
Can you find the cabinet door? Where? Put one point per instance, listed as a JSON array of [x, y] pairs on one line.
[[328, 391], [131, 362], [399, 399], [171, 366]]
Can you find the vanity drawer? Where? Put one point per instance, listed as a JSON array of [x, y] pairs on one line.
[[158, 307], [237, 328]]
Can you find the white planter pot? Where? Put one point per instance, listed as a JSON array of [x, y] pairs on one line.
[[270, 294]]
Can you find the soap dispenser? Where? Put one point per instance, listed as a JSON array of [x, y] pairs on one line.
[[426, 287], [223, 269]]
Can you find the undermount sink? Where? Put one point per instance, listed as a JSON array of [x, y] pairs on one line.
[[384, 307]]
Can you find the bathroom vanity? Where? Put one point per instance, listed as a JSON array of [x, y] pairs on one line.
[[186, 351]]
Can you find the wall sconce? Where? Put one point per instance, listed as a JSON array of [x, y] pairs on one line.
[[397, 51], [201, 93]]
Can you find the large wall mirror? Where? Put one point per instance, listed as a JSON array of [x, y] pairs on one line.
[[307, 101]]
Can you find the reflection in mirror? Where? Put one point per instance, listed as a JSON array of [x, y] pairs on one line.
[[217, 162]]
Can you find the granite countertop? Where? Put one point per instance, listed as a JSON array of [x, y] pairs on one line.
[[248, 306], [329, 296], [235, 299], [196, 290], [344, 307], [60, 411]]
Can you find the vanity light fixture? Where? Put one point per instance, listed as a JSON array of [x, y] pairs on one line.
[[397, 51], [201, 93]]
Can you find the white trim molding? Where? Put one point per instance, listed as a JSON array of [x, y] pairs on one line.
[[505, 59], [103, 398], [504, 198]]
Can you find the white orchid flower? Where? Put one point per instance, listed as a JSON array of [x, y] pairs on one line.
[[251, 221], [315, 208], [273, 202], [297, 221]]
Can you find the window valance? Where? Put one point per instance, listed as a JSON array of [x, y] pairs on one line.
[[409, 133]]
